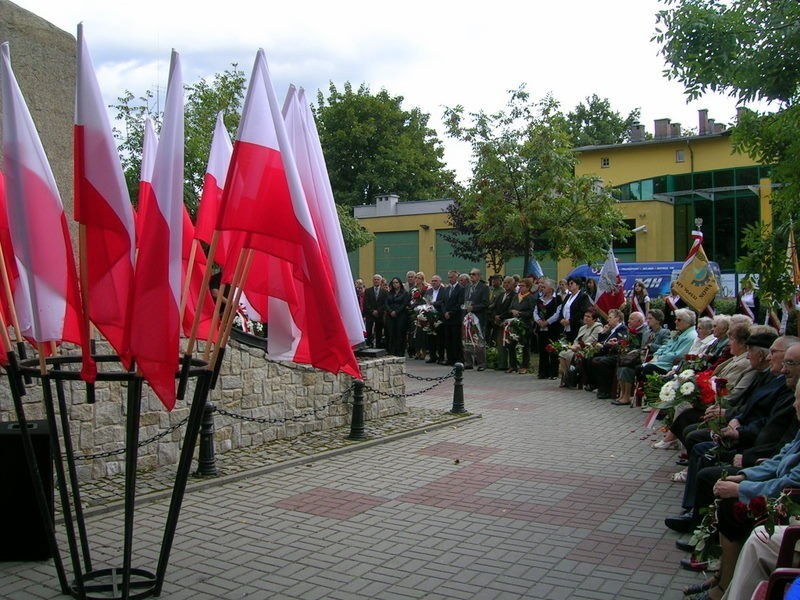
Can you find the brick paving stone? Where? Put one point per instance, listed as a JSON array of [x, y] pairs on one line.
[[551, 494]]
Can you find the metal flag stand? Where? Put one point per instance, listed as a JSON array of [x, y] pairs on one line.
[[88, 583]]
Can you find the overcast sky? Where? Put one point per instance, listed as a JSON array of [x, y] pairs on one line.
[[434, 53]]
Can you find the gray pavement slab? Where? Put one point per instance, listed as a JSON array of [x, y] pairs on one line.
[[550, 494]]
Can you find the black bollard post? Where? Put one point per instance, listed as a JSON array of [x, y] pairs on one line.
[[458, 391], [206, 459], [357, 421]]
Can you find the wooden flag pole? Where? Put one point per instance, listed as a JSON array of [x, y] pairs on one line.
[[215, 320], [9, 296], [229, 307], [203, 289], [230, 311], [188, 280]]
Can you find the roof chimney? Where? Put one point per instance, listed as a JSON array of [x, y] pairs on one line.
[[675, 130], [702, 127], [636, 133], [662, 128], [740, 112]]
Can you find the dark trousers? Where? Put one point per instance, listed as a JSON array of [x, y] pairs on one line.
[[374, 327], [435, 344], [601, 372], [452, 342]]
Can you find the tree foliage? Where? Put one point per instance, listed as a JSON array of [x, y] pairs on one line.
[[750, 50], [524, 198], [596, 123], [767, 261], [203, 101], [373, 146]]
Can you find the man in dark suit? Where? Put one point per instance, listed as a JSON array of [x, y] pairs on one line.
[[374, 301], [500, 311], [436, 296], [452, 319], [476, 301], [600, 372]]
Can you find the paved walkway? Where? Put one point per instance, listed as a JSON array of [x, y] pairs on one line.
[[551, 494]]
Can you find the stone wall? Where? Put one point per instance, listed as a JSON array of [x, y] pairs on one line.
[[43, 60], [286, 399]]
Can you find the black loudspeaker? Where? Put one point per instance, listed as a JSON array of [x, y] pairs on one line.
[[23, 536]]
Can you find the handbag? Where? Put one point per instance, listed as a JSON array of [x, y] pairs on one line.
[[632, 358]]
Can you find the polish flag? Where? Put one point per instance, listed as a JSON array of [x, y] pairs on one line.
[[610, 294], [10, 263], [313, 173], [47, 296], [149, 146], [157, 280], [264, 198], [103, 208], [218, 160]]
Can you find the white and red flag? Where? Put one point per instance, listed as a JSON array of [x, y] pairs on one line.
[[219, 157], [9, 262], [103, 208], [313, 172], [155, 327], [264, 200], [149, 147], [609, 287], [47, 296]]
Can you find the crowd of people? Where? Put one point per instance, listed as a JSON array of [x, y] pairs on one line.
[[725, 387]]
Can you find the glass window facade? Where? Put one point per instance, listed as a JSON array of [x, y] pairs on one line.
[[721, 198]]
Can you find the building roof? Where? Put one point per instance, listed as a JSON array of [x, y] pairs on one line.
[[654, 141]]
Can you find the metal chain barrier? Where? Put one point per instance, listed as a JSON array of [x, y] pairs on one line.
[[437, 381], [155, 438]]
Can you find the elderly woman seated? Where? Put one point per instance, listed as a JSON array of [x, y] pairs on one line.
[[654, 336], [587, 336], [675, 349]]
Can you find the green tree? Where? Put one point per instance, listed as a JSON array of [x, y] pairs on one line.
[[767, 260], [523, 198], [596, 124], [204, 100], [373, 146]]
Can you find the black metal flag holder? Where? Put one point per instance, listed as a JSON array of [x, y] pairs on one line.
[[115, 583]]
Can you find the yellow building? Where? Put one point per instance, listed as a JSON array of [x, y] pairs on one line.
[[665, 183], [411, 236]]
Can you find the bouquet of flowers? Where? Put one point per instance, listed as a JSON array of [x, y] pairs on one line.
[[768, 512], [243, 322], [428, 318], [417, 299], [558, 346], [686, 389], [587, 351], [514, 331]]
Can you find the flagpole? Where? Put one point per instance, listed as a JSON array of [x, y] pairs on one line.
[[9, 296], [244, 261], [187, 282], [203, 289]]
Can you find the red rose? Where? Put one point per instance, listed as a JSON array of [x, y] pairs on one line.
[[758, 505], [691, 357], [739, 512], [623, 343], [549, 348], [581, 344]]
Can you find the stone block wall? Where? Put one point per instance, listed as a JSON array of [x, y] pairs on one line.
[[284, 399]]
